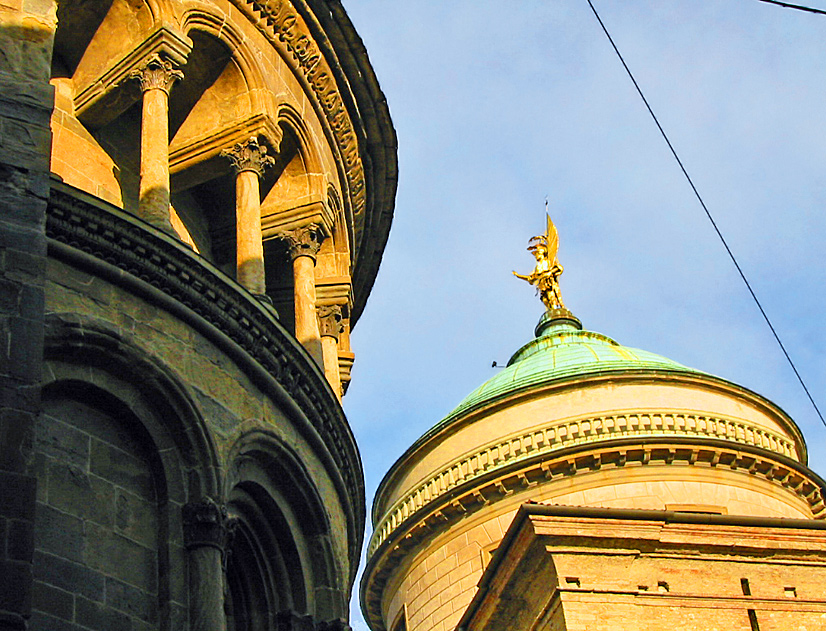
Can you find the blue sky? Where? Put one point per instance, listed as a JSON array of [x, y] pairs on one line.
[[498, 105]]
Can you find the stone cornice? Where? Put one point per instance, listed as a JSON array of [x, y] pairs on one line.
[[130, 252], [647, 533], [334, 290], [584, 433], [411, 527], [283, 219], [93, 102]]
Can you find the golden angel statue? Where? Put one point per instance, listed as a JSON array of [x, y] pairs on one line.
[[548, 270]]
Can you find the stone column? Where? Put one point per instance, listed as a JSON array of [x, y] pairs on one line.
[[330, 328], [206, 533], [304, 244], [156, 77], [249, 160]]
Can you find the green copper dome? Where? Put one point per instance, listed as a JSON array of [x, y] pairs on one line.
[[562, 351]]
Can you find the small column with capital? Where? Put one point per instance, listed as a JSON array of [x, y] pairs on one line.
[[249, 160], [207, 531], [331, 327], [304, 244], [156, 76]]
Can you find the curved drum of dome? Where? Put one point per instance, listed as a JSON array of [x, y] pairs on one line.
[[574, 419]]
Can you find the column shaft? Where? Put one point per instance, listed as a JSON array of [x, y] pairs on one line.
[[153, 204], [330, 321], [206, 590], [249, 160], [250, 247], [207, 532], [306, 321], [329, 348]]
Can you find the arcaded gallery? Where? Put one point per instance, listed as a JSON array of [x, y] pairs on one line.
[[195, 200], [196, 197]]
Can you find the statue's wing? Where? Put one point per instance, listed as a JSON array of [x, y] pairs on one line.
[[553, 239]]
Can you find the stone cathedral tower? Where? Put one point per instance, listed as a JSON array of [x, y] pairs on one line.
[[194, 200], [592, 486]]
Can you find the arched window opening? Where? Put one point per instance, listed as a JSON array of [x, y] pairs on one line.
[[264, 569]]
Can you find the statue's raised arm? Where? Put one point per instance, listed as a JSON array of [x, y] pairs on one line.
[[545, 275]]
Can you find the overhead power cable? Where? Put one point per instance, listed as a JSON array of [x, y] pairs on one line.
[[708, 213], [799, 7]]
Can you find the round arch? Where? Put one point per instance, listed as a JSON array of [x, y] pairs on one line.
[[281, 552], [219, 28], [85, 350], [293, 125]]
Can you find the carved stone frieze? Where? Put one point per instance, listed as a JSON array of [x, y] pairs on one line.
[[157, 73], [303, 241], [284, 27], [574, 434], [249, 156], [330, 322]]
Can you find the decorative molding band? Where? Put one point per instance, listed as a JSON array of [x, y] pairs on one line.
[[278, 220], [118, 239], [345, 368], [284, 27], [394, 539], [334, 290], [584, 432]]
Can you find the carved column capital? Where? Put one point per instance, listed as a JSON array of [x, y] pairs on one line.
[[330, 321], [206, 525], [304, 241], [156, 73], [249, 156]]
